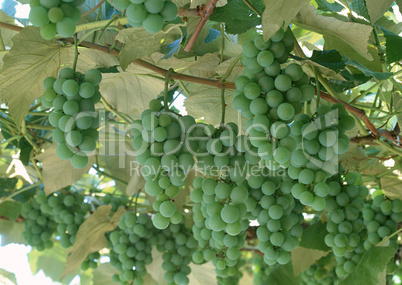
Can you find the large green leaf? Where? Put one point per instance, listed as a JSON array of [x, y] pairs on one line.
[[138, 43], [393, 44], [94, 227], [330, 59], [370, 266], [354, 34], [279, 14], [313, 237], [10, 209], [59, 173], [131, 90], [26, 65], [237, 16], [368, 72], [303, 258], [283, 275], [11, 232], [377, 8]]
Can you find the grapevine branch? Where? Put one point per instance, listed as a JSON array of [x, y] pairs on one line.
[[205, 14]]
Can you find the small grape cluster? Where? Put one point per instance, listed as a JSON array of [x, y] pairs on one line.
[[343, 210], [260, 270], [160, 138], [151, 14], [314, 161], [132, 247], [62, 213], [279, 216], [177, 244], [346, 264], [92, 261], [73, 97], [235, 274], [322, 272], [219, 223], [55, 17], [115, 201]]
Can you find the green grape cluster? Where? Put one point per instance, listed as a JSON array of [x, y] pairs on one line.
[[279, 216], [161, 141], [55, 17], [322, 272], [132, 247], [219, 222], [343, 210], [260, 270], [177, 244], [235, 277], [151, 14], [63, 213], [92, 261], [73, 97], [115, 201], [346, 264]]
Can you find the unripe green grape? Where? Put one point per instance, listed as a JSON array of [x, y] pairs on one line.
[[159, 134], [86, 90], [279, 130], [275, 212], [318, 204], [286, 111], [55, 14], [83, 121], [277, 49], [153, 23], [167, 209], [260, 43], [71, 107], [278, 36], [258, 106], [66, 123], [93, 76], [58, 136], [169, 11], [281, 155], [306, 198], [266, 83], [241, 103], [294, 95], [249, 49], [38, 16], [252, 90], [79, 160], [265, 58], [346, 122], [154, 6], [73, 138], [54, 118], [48, 82], [308, 92], [66, 27], [58, 85], [71, 11], [49, 3], [155, 105], [48, 31], [328, 138], [261, 123], [160, 222], [63, 151], [34, 3], [306, 176], [136, 12], [294, 71], [230, 214], [87, 105], [58, 102], [70, 87], [283, 82], [274, 98], [241, 81], [88, 144]]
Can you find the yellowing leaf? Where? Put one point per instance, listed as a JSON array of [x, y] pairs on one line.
[[279, 14], [91, 236], [377, 8], [59, 173], [303, 258], [130, 91], [26, 65], [354, 34]]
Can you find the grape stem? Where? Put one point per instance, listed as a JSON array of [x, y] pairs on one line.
[[93, 9], [205, 14], [223, 106], [167, 78], [76, 52]]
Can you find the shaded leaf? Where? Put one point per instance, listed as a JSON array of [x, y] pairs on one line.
[[7, 186], [26, 149], [370, 266], [313, 237], [131, 90], [354, 34], [393, 44], [279, 14], [302, 258], [94, 227], [283, 275], [150, 43], [237, 16], [103, 274], [368, 72], [330, 59], [326, 6], [59, 173], [359, 6], [11, 232], [202, 274], [10, 209], [377, 8]]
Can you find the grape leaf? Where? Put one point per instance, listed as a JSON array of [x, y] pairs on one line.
[[7, 278], [283, 275], [279, 14], [303, 258], [313, 237], [10, 209], [370, 266], [11, 232], [377, 8], [368, 72], [131, 90], [94, 227], [103, 274], [354, 34], [330, 59], [237, 16], [325, 6], [150, 43], [393, 44], [359, 7], [59, 173]]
